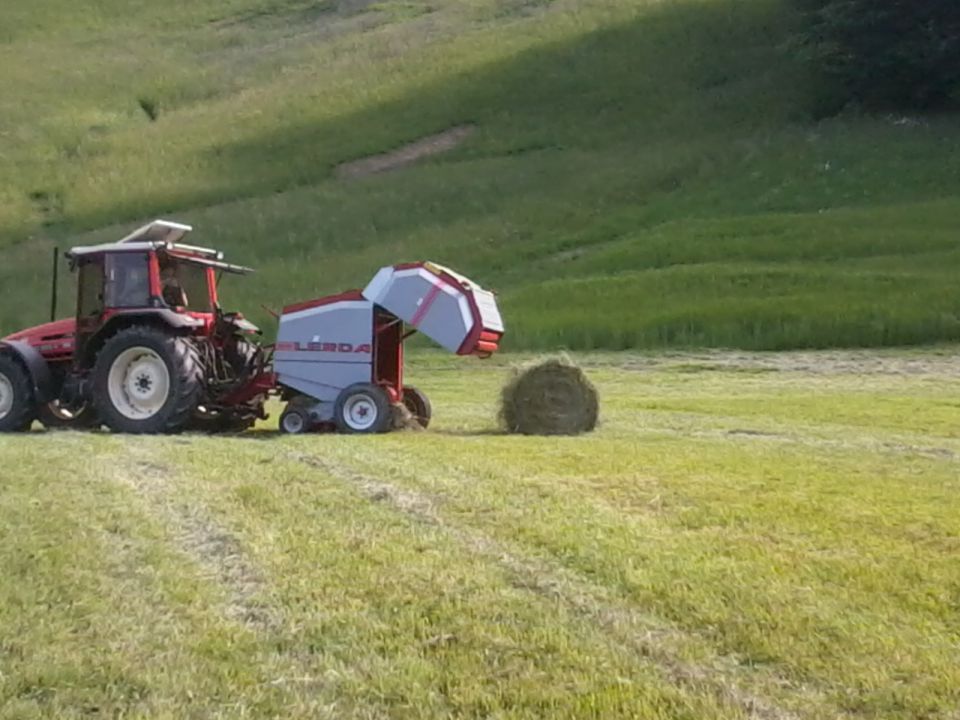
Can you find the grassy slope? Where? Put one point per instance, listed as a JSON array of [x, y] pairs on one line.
[[643, 173], [743, 537]]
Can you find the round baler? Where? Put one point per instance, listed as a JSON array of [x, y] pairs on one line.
[[339, 360]]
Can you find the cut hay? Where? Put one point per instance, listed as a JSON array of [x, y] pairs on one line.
[[552, 397], [403, 419]]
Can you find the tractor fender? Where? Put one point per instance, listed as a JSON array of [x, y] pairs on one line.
[[125, 318], [36, 365], [160, 316], [168, 317]]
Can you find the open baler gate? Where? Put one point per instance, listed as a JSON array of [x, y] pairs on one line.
[[448, 308]]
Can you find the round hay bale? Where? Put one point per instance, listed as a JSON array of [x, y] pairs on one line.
[[552, 397]]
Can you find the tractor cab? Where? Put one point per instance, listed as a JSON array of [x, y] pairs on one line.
[[147, 273], [148, 349]]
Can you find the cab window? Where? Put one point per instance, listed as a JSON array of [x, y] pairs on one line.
[[127, 280], [90, 289], [185, 285]]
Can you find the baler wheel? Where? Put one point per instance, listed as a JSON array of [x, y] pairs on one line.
[[294, 421], [147, 381], [17, 406], [419, 405], [363, 409]]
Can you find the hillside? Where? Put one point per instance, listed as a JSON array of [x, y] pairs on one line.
[[640, 174]]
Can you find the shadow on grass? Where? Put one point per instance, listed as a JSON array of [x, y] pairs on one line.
[[678, 70]]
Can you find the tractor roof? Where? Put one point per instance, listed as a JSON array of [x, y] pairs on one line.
[[158, 231], [160, 235]]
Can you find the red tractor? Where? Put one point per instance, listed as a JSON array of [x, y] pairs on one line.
[[149, 350]]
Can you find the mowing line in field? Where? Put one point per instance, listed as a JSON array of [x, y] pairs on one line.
[[646, 636], [798, 437], [357, 650], [217, 552]]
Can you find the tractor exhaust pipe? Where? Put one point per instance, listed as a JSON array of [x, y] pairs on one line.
[[53, 289]]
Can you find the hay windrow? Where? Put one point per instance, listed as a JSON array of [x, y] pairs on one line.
[[403, 419], [550, 397]]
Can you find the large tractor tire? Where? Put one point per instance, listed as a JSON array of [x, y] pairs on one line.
[[147, 381], [419, 406], [363, 409], [242, 356], [54, 416], [18, 408]]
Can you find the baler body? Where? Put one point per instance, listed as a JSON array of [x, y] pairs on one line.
[[327, 345]]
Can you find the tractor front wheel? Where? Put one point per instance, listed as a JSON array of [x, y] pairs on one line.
[[18, 408], [147, 381], [55, 416], [363, 409]]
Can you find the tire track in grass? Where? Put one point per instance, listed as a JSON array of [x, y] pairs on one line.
[[217, 552], [896, 446], [646, 636]]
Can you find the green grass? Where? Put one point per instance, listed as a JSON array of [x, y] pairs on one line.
[[745, 536], [655, 155]]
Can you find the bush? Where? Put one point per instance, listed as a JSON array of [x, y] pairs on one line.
[[884, 54]]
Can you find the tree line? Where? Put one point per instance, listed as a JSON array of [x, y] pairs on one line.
[[883, 55]]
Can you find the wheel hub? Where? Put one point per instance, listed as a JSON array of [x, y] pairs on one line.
[[293, 423], [139, 383], [6, 396], [360, 412]]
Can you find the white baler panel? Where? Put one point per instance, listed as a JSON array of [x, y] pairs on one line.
[[423, 300], [448, 320], [489, 311], [323, 349], [323, 381]]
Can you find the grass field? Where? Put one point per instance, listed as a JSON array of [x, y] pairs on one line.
[[767, 536], [642, 173]]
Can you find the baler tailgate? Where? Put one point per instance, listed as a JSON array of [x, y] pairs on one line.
[[451, 310]]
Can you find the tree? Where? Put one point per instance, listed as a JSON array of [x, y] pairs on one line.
[[884, 54]]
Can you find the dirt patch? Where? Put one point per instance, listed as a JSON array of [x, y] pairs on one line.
[[406, 155], [599, 606], [214, 549]]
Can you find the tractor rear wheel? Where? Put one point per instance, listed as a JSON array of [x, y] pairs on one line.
[[363, 409], [242, 356], [18, 408], [54, 416], [419, 406], [147, 381]]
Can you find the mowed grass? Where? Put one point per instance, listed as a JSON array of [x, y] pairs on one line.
[[642, 173], [745, 536]]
